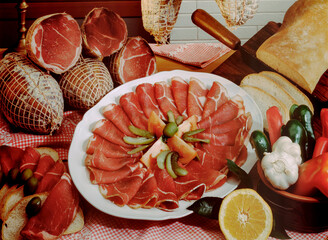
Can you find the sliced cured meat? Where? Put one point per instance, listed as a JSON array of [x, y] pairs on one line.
[[165, 98], [167, 198], [130, 104], [109, 149], [56, 214], [179, 89], [116, 115], [134, 60], [210, 177], [216, 96], [110, 132], [197, 92], [226, 112], [30, 159], [54, 42], [241, 159], [99, 176], [10, 157], [45, 164], [104, 32], [210, 161], [189, 188], [100, 161], [147, 195], [147, 100], [122, 191], [221, 139], [51, 178]]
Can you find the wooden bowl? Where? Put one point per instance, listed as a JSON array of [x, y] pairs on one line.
[[294, 212]]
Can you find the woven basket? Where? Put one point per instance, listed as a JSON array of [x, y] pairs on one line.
[[159, 17], [237, 12]]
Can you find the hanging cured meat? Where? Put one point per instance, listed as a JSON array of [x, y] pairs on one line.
[[30, 98], [134, 60], [104, 32], [54, 42], [86, 83]]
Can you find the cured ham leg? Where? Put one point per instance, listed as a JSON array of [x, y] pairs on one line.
[[216, 96], [117, 116], [180, 94], [147, 100], [51, 178], [30, 159], [122, 191], [196, 97], [132, 108], [165, 98], [45, 164], [56, 214]]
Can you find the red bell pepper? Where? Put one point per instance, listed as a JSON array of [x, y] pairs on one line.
[[321, 145], [324, 121], [274, 119], [313, 175]]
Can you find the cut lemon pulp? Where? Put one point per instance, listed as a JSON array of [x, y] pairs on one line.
[[244, 215]]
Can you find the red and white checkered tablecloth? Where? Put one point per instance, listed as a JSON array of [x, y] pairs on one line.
[[99, 225]]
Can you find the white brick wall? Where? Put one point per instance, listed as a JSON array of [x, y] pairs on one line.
[[185, 31]]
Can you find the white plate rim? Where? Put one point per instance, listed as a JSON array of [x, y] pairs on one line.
[[76, 155]]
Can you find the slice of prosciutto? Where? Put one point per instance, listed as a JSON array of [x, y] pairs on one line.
[[45, 164], [10, 157], [179, 89], [147, 100], [51, 178], [57, 212], [117, 116], [189, 188], [163, 94], [210, 161], [216, 96], [54, 42], [197, 92], [30, 159], [104, 32], [120, 192], [134, 60], [130, 104]]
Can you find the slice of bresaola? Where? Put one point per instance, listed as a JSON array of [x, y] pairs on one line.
[[10, 157], [147, 100], [163, 94], [226, 112], [51, 178], [45, 164], [120, 192], [197, 92], [100, 161], [130, 104], [216, 96], [56, 214], [189, 188], [30, 159], [180, 94], [110, 132], [117, 116]]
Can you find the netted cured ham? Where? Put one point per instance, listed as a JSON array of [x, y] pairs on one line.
[[30, 98], [86, 83], [226, 125]]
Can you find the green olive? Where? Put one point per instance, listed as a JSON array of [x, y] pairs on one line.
[[30, 186], [170, 129], [161, 159], [26, 174], [13, 176], [168, 165], [33, 207], [170, 116], [179, 120]]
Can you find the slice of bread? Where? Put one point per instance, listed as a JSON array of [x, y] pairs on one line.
[[297, 94], [49, 151], [3, 191], [77, 223], [269, 86], [264, 101], [12, 196]]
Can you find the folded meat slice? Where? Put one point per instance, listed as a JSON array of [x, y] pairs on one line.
[[216, 96], [99, 176], [30, 159], [130, 104], [210, 161], [147, 195], [57, 212], [10, 157], [189, 188], [110, 132], [179, 89], [197, 92], [117, 116], [226, 112], [147, 100], [120, 192], [100, 161], [51, 178], [45, 164], [163, 94], [221, 139], [107, 148]]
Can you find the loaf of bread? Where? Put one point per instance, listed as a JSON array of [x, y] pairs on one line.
[[299, 50]]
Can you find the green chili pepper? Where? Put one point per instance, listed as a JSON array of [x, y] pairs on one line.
[[260, 143]]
